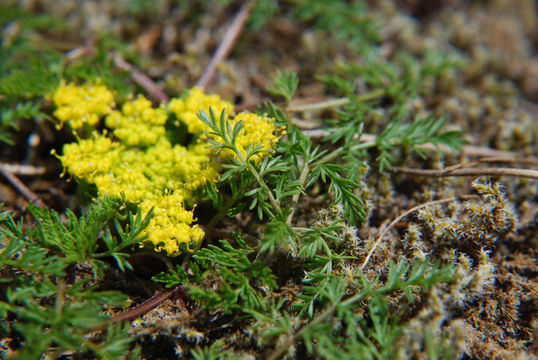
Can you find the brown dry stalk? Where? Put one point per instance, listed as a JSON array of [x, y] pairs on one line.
[[141, 79], [297, 106], [302, 105], [526, 161], [223, 50], [528, 173], [150, 304], [20, 169], [22, 188]]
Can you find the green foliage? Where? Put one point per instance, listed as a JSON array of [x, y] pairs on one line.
[[420, 131], [279, 235], [49, 305], [23, 59], [331, 308], [398, 81], [215, 351], [338, 331], [78, 239], [142, 7], [10, 116], [333, 289], [264, 198], [27, 20], [239, 277], [262, 12], [30, 70], [284, 84], [44, 70], [179, 275], [282, 178], [348, 21], [99, 66]]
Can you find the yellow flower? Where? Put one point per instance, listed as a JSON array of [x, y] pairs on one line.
[[171, 224], [186, 110], [257, 131], [138, 124], [138, 160], [90, 157], [79, 105]]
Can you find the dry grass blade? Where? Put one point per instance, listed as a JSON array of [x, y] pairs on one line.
[[142, 79], [225, 46], [532, 174], [22, 188]]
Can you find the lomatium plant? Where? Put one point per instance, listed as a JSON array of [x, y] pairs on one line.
[[285, 233], [146, 168], [166, 159], [137, 158]]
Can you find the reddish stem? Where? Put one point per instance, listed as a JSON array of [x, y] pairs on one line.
[[151, 304]]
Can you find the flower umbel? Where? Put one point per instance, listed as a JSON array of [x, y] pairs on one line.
[[138, 124], [138, 160], [79, 105], [257, 131], [187, 108]]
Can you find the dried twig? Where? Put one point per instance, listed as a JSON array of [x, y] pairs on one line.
[[225, 46], [141, 79], [533, 174], [80, 52], [473, 150], [320, 105], [297, 106], [137, 76], [25, 170], [526, 161], [22, 188], [150, 304]]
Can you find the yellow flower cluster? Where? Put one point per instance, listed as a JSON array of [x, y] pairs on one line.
[[186, 109], [137, 159], [138, 124], [79, 105], [256, 130], [88, 158]]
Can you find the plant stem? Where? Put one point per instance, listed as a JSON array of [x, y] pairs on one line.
[[218, 217], [374, 94], [306, 169], [336, 153], [302, 180], [262, 183], [322, 317], [319, 105], [222, 212]]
